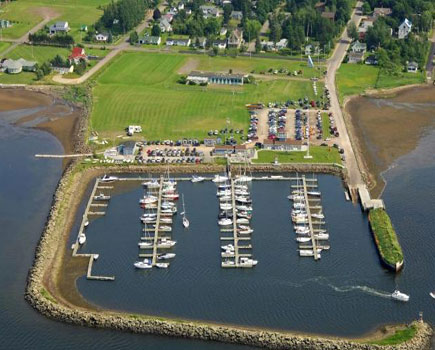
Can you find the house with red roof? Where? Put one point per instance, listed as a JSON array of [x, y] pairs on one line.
[[77, 54]]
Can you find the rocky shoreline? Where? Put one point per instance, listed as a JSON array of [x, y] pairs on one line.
[[51, 247]]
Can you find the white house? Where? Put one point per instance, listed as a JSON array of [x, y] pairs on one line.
[[165, 26], [412, 67], [62, 27], [63, 70], [404, 29], [220, 44], [209, 11], [101, 37], [282, 44], [180, 6], [178, 42], [357, 46]]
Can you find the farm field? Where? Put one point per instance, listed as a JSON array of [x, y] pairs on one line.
[[27, 13], [353, 79], [142, 89], [320, 155]]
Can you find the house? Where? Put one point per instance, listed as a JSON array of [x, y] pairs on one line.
[[178, 42], [320, 6], [150, 40], [412, 67], [268, 45], [102, 37], [329, 15], [220, 44], [63, 70], [285, 145], [237, 15], [173, 11], [168, 17], [77, 54], [209, 11], [61, 27], [282, 44], [165, 26], [355, 57], [201, 42], [371, 60], [381, 12], [223, 31], [404, 29], [180, 6], [235, 40], [215, 78], [359, 47], [4, 23], [188, 11], [365, 25], [128, 148], [17, 66]]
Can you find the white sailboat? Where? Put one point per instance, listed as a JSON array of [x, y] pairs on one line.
[[186, 222]]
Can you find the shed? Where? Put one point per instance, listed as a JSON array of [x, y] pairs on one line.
[[128, 148], [289, 145]]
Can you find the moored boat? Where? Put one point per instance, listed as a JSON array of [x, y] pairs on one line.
[[197, 179]]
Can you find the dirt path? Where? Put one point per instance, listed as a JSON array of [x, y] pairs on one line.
[[190, 65]]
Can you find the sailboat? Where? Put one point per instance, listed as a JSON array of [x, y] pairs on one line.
[[186, 222]]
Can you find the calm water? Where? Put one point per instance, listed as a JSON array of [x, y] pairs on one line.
[[344, 293]]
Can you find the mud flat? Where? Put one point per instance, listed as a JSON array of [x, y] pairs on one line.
[[388, 125]]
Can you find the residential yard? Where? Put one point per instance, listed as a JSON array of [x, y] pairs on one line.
[[28, 13], [320, 155], [39, 54], [141, 88], [22, 78], [353, 79]]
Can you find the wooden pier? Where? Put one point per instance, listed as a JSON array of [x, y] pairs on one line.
[[76, 244]]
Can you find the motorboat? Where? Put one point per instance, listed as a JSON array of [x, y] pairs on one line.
[[397, 295], [224, 198], [219, 178], [164, 228], [298, 211], [240, 187], [245, 200], [314, 193], [166, 220], [228, 263], [224, 214], [243, 227], [302, 229], [172, 196], [197, 179], [224, 186], [144, 245], [243, 178], [170, 211], [432, 294], [296, 197], [238, 192], [149, 220], [101, 197], [148, 205], [244, 214], [148, 199], [82, 238], [186, 222], [245, 231], [309, 252], [107, 179], [247, 262], [151, 184], [86, 224], [242, 221], [321, 236], [166, 243], [244, 207], [300, 219], [298, 205], [318, 216], [96, 256], [162, 265], [228, 254], [226, 206], [303, 239], [145, 264], [225, 222], [223, 193], [227, 247], [166, 256]]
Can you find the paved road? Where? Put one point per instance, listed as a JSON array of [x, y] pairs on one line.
[[25, 37], [124, 45], [334, 62]]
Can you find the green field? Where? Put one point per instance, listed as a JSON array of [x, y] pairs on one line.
[[22, 78], [325, 126], [353, 79], [141, 88], [28, 13], [320, 155], [385, 237], [39, 54]]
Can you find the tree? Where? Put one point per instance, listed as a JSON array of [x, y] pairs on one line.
[[46, 68], [39, 74], [251, 29], [155, 30], [134, 37], [228, 8], [352, 31], [157, 14], [110, 37], [80, 68], [366, 8], [257, 44], [275, 31]]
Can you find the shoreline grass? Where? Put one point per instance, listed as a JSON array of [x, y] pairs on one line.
[[399, 336], [385, 236]]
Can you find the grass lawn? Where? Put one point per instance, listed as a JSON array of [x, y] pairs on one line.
[[385, 235], [398, 337], [39, 54], [325, 126], [320, 155], [28, 13], [353, 79], [22, 78], [4, 46], [141, 89]]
